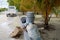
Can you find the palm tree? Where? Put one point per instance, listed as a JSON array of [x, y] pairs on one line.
[[48, 6]]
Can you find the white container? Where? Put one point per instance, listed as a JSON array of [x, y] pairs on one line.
[[26, 36], [33, 32]]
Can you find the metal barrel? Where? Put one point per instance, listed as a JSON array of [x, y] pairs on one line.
[[30, 17]]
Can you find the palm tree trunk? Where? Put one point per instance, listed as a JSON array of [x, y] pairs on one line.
[[47, 15], [46, 20]]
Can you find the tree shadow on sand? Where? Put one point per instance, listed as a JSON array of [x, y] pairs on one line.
[[43, 30]]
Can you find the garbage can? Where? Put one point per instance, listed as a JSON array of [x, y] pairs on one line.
[[30, 17]]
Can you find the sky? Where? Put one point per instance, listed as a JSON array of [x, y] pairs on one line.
[[3, 4]]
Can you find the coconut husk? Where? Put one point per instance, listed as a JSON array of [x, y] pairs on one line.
[[16, 33]]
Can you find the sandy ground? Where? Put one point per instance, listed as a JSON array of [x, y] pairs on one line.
[[7, 25], [53, 34]]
